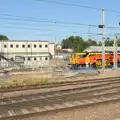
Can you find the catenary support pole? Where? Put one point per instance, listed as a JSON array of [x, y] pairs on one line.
[[103, 42]]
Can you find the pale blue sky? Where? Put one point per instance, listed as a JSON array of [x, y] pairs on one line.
[[42, 11]]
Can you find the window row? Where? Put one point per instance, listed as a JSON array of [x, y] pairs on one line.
[[35, 58], [29, 58], [23, 46]]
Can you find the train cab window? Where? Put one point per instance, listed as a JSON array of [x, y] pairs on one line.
[[81, 56]]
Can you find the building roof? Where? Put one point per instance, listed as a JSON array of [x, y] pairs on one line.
[[24, 41], [99, 49]]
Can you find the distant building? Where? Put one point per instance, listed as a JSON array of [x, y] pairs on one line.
[[58, 47], [99, 49], [62, 53], [27, 53]]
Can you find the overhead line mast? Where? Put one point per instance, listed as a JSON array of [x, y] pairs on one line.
[[103, 41]]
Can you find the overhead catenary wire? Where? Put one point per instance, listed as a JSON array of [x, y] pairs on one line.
[[56, 22], [37, 29], [63, 22], [45, 25], [51, 22], [25, 17], [18, 28], [45, 20], [26, 28], [68, 4], [78, 5]]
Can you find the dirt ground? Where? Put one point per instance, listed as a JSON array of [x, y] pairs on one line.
[[109, 111], [31, 75]]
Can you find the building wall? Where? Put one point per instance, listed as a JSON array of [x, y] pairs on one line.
[[52, 49], [35, 53]]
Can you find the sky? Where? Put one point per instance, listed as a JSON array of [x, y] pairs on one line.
[[38, 20]]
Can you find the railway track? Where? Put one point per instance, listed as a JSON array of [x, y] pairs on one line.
[[56, 84], [88, 93]]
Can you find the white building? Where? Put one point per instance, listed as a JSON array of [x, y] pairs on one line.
[[52, 49], [27, 53]]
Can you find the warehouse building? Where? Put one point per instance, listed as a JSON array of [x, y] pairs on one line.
[[27, 53]]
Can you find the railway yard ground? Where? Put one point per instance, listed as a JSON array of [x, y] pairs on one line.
[[82, 96]]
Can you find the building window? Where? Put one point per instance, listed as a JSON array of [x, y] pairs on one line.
[[28, 46], [5, 46], [28, 58], [11, 46], [46, 58], [40, 58], [23, 46], [12, 59], [35, 59], [35, 46], [17, 46], [46, 46], [40, 46]]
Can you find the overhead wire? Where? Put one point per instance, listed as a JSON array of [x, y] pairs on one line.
[[26, 28], [68, 4], [78, 5], [62, 22], [56, 22]]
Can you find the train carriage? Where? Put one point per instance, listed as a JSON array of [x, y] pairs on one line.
[[92, 59]]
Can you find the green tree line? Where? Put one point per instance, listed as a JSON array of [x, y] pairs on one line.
[[78, 44], [3, 37]]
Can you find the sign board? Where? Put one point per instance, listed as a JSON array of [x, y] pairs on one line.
[[19, 59]]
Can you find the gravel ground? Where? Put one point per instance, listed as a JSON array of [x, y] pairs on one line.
[[109, 111], [107, 73]]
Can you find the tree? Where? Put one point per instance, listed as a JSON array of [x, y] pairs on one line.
[[74, 42], [3, 37], [100, 44], [118, 42], [91, 42], [109, 42]]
